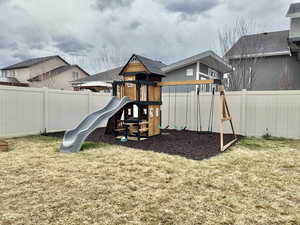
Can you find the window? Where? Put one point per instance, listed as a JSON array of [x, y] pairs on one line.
[[189, 72], [75, 75], [212, 72], [12, 73], [4, 73]]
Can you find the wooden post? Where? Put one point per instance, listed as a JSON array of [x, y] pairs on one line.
[[225, 116]]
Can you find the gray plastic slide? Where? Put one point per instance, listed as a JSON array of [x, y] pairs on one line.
[[73, 139]]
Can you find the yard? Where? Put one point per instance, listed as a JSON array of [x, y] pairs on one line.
[[255, 182]]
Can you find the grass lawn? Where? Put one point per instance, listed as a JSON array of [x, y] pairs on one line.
[[255, 182]]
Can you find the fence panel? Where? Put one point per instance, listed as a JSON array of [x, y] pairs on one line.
[[21, 111], [25, 111]]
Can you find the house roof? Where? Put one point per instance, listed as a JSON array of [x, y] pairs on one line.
[[293, 10], [31, 62], [108, 75], [94, 84], [153, 66], [208, 58], [57, 71], [262, 44]]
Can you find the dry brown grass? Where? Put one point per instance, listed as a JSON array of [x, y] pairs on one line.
[[257, 182]]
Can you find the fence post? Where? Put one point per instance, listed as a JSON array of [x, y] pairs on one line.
[[244, 114], [89, 101], [46, 108]]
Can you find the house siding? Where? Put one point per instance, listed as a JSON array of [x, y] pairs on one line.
[[24, 74], [270, 70], [60, 81], [180, 74], [295, 28]]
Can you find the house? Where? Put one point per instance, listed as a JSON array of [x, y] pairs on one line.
[[51, 71], [98, 82], [269, 60], [208, 64]]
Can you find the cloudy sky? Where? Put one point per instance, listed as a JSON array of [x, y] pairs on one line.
[[98, 34]]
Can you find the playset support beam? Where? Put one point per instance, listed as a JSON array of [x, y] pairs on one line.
[[225, 116], [188, 82]]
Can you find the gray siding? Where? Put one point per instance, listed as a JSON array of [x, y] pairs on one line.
[[180, 74], [295, 28], [270, 72]]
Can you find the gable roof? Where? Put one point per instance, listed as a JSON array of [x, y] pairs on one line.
[[262, 44], [208, 58], [31, 62], [153, 66], [293, 10], [108, 75], [57, 71]]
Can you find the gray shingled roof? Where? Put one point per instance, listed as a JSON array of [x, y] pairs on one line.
[[31, 62], [152, 65], [208, 58], [264, 44], [294, 8], [108, 75]]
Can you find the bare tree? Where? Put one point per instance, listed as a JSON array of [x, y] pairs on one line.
[[286, 81], [242, 57]]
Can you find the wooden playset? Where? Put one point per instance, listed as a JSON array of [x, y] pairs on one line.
[[142, 83]]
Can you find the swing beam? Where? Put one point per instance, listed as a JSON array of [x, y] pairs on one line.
[[188, 82]]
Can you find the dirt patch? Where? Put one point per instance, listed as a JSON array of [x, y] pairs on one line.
[[188, 144]]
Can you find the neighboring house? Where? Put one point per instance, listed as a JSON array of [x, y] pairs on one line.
[[52, 72], [98, 82], [270, 60], [208, 64]]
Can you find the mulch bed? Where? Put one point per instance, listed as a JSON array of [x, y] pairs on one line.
[[188, 144]]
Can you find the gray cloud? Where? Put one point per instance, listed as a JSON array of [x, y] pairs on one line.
[[22, 55], [189, 7], [135, 24], [4, 1], [50, 27], [69, 44], [103, 5]]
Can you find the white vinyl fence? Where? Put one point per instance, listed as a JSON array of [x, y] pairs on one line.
[[25, 111], [254, 112]]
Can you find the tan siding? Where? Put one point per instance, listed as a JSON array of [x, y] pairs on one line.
[[60, 81]]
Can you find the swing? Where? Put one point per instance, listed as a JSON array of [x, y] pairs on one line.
[[211, 113], [169, 105], [180, 128]]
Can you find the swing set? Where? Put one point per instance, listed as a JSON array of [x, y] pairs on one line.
[[188, 104], [224, 109], [143, 87]]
